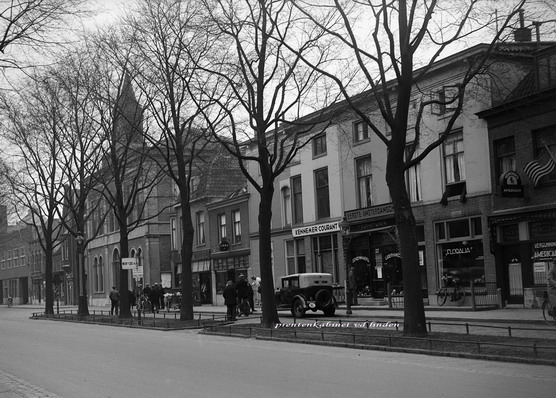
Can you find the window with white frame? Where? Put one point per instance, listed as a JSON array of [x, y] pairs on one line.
[[360, 131], [505, 156], [200, 219], [446, 100], [236, 219], [322, 193], [222, 232], [454, 162], [286, 206], [173, 234], [319, 145], [364, 181], [295, 256], [413, 180], [297, 203]]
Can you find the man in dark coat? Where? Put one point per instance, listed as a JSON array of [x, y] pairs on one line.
[[230, 299], [251, 297], [114, 300]]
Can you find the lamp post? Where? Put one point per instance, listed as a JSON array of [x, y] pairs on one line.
[[82, 303], [346, 240]]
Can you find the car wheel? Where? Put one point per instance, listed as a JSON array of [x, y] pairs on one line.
[[298, 310], [330, 311], [323, 298]]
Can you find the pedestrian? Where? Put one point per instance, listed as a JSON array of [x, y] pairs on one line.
[[242, 289], [131, 298], [147, 292], [230, 299], [352, 286], [256, 285], [161, 292], [251, 298], [551, 288], [154, 298], [114, 300]]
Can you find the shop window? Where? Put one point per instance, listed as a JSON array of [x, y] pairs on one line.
[[542, 229], [295, 256], [510, 233]]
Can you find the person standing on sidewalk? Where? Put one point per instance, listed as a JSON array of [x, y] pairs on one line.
[[551, 282], [230, 299], [114, 300]]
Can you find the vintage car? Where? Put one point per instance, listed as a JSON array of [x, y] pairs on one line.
[[302, 292]]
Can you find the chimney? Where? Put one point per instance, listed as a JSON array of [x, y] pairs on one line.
[[522, 34]]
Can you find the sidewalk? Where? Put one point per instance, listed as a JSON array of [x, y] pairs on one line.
[[513, 313]]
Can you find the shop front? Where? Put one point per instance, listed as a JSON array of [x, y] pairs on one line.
[[202, 281], [227, 266], [524, 244], [374, 253]]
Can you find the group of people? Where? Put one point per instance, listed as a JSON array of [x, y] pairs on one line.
[[155, 296], [234, 295]]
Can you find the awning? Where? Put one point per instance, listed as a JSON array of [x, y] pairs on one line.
[[537, 215]]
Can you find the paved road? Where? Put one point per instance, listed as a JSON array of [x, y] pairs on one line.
[[77, 360]]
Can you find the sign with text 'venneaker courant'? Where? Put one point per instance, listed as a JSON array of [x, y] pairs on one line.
[[317, 229]]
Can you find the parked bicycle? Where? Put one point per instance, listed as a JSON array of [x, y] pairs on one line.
[[548, 312], [456, 294], [243, 307]]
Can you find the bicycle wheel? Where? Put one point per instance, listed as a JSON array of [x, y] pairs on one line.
[[441, 296], [546, 307], [459, 295]]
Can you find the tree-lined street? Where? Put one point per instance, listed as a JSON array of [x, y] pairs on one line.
[[76, 360]]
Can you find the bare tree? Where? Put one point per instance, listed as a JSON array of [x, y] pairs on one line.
[[264, 88], [34, 25], [165, 48], [394, 46], [130, 181], [32, 125]]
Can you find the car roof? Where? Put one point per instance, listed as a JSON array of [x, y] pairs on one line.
[[308, 274]]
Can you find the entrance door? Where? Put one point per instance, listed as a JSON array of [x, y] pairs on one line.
[[516, 283], [206, 289]]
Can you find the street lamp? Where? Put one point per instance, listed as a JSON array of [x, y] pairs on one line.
[[346, 240], [82, 303]]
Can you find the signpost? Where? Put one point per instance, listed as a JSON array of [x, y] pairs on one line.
[[129, 263]]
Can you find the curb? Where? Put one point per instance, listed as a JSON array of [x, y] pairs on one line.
[[498, 358]]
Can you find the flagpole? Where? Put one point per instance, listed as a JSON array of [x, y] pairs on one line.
[[548, 150]]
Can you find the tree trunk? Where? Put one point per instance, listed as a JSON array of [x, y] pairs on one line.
[[270, 313], [49, 300], [125, 311], [186, 307], [414, 310]]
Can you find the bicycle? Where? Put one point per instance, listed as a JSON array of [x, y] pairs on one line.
[[457, 295], [243, 307], [548, 312]]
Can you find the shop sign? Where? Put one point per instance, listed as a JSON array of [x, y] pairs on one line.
[[458, 250], [510, 184], [360, 258], [316, 229], [129, 263], [370, 212], [544, 250], [224, 245]]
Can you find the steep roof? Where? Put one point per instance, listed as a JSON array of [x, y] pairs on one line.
[[219, 177]]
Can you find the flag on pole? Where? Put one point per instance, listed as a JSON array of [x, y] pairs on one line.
[[540, 167]]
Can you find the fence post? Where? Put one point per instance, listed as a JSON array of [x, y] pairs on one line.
[[473, 304], [389, 292]]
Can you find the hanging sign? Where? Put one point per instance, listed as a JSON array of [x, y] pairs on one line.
[[129, 263]]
